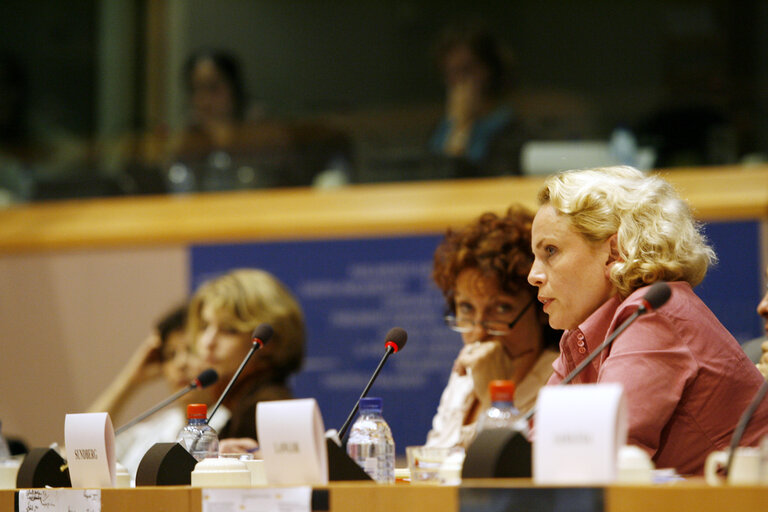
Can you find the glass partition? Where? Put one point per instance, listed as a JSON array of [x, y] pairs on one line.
[[108, 98]]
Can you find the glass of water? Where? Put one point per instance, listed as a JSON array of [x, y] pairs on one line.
[[435, 465]]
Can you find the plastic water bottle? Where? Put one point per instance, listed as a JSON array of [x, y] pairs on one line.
[[623, 146], [180, 179], [5, 452], [370, 442], [502, 413], [198, 437], [219, 173]]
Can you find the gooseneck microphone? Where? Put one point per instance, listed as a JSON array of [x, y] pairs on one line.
[[205, 379], [743, 422], [396, 338], [656, 296], [260, 336]]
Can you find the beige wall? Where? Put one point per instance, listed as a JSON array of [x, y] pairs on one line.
[[68, 322]]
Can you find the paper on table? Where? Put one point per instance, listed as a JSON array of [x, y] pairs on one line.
[[90, 446], [292, 442], [284, 499], [72, 500], [579, 430]]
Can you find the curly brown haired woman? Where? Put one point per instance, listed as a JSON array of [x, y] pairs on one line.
[[482, 271]]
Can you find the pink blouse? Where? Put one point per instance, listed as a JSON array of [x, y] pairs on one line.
[[685, 377]]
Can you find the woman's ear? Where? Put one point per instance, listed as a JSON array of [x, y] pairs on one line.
[[611, 247]]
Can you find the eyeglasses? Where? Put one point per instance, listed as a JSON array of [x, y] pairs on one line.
[[492, 327]]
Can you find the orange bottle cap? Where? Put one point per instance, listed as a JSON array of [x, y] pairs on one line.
[[197, 411], [502, 390]]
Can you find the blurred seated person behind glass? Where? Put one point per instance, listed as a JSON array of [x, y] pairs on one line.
[[481, 270], [223, 313], [600, 238], [226, 146], [479, 135], [220, 148], [165, 353]]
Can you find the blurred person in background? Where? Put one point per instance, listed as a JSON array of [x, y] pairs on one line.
[[214, 82], [228, 143], [223, 146], [166, 353], [479, 134], [224, 143], [224, 311], [481, 270]]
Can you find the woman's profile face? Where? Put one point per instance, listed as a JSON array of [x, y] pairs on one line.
[[570, 272], [481, 303], [462, 67], [219, 344], [212, 96], [762, 307]]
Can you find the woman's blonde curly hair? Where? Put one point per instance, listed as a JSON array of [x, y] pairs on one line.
[[657, 236]]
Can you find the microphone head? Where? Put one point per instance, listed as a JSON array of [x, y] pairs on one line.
[[206, 378], [396, 338], [262, 334], [657, 294]]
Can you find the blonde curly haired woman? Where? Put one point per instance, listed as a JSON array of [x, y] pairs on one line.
[[600, 238]]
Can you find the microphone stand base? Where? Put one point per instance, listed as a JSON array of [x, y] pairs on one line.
[[43, 467], [340, 466], [165, 464], [498, 453]]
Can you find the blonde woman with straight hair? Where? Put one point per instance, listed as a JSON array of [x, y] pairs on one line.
[[600, 238]]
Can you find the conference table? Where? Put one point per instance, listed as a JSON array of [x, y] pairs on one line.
[[470, 496]]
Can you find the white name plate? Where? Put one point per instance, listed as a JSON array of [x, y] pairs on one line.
[[292, 442], [284, 499], [578, 432], [90, 445], [60, 500]]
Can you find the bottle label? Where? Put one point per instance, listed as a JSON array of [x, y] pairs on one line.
[[371, 465]]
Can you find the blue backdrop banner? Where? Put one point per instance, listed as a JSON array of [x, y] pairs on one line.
[[353, 292]]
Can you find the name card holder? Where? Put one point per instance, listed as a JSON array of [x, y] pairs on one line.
[[498, 453], [579, 430], [340, 466], [165, 464], [292, 441], [90, 442]]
